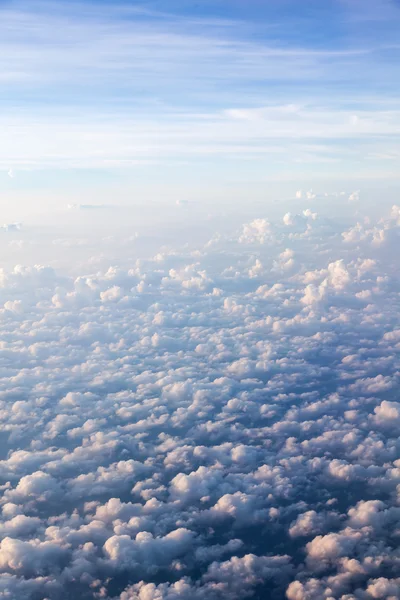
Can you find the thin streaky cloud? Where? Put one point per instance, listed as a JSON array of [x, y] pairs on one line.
[[128, 85]]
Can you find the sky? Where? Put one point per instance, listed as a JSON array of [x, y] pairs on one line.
[[199, 300], [136, 100]]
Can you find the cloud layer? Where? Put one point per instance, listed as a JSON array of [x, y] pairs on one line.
[[211, 423]]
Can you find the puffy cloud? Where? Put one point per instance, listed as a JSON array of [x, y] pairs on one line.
[[383, 233], [387, 413], [286, 260], [300, 219], [31, 557], [258, 231], [328, 548], [38, 485], [147, 551], [384, 588], [354, 196], [311, 523]]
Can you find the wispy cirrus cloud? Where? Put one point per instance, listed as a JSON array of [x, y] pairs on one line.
[[104, 139], [105, 86]]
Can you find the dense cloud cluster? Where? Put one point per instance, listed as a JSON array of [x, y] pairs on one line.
[[213, 424]]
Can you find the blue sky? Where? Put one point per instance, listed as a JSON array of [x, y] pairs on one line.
[[231, 90]]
